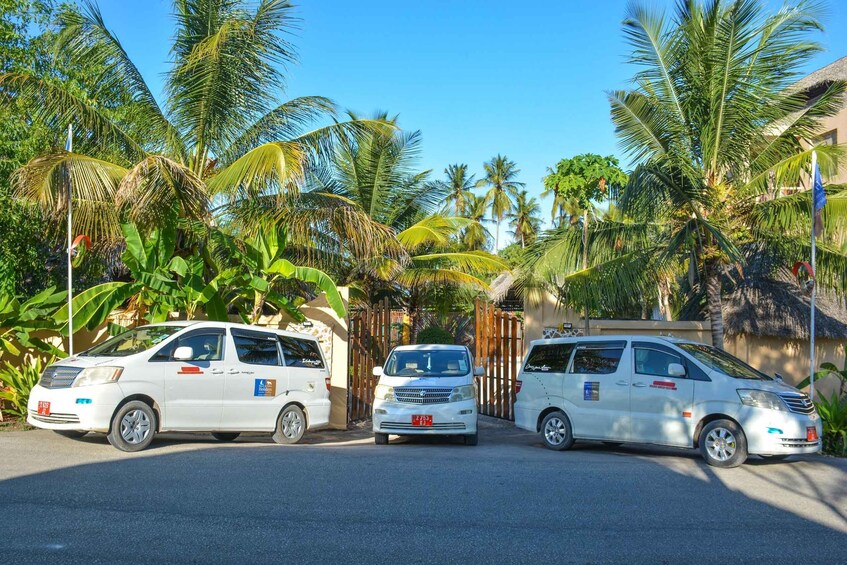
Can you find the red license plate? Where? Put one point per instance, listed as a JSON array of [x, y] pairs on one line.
[[423, 420], [43, 408], [811, 434]]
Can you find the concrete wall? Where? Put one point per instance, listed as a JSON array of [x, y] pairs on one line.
[[771, 355]]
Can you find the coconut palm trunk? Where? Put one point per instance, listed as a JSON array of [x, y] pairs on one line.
[[714, 303], [585, 264]]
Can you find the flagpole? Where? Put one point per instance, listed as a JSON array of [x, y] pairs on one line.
[[69, 148], [814, 283]]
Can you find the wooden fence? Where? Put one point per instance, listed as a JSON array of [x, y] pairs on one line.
[[370, 342], [498, 348]]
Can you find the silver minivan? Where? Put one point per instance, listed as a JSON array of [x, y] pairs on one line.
[[662, 391]]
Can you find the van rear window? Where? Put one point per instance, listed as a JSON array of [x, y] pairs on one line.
[[548, 358]]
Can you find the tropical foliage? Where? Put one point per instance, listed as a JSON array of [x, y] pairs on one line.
[[833, 412], [16, 382], [502, 188], [716, 131]]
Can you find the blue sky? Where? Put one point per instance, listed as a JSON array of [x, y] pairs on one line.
[[477, 77]]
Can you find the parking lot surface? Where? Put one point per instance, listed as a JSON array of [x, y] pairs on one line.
[[339, 498]]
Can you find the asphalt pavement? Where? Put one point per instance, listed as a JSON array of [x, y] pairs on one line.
[[338, 498]]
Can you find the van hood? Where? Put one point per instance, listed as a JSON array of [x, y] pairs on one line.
[[426, 382], [778, 387], [85, 362]]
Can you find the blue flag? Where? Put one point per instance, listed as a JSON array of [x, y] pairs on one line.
[[818, 200]]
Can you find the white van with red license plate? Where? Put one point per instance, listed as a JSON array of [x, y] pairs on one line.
[[426, 390], [189, 377], [662, 391]]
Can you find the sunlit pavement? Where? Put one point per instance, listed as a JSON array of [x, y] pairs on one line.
[[339, 498]]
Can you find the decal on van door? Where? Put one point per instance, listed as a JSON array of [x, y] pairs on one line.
[[189, 370], [264, 387], [591, 390], [664, 385]]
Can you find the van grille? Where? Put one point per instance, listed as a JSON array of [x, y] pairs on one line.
[[54, 418], [59, 377], [434, 426], [799, 442], [798, 403], [422, 395]]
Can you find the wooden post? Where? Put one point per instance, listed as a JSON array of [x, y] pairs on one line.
[[514, 364]]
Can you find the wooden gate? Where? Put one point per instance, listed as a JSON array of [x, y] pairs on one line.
[[498, 348], [370, 342]]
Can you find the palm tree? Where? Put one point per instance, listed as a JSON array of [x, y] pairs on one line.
[[715, 130], [223, 133], [525, 220], [500, 174], [476, 236], [458, 184]]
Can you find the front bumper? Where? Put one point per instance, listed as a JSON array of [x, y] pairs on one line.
[[88, 408], [778, 433], [390, 417]]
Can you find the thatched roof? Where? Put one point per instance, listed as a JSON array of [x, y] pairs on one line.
[[774, 305], [500, 286], [837, 70]]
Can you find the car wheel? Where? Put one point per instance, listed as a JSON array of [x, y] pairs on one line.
[[72, 434], [225, 436], [472, 439], [133, 426], [290, 426], [380, 439], [723, 444], [556, 431], [778, 457]]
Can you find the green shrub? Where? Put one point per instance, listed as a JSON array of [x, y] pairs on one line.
[[17, 382], [434, 334], [833, 412]]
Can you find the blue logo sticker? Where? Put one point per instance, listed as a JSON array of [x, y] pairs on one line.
[[591, 391], [264, 387]]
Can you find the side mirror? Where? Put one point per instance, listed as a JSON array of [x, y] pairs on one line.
[[377, 371], [478, 372], [676, 370], [779, 377], [183, 353]]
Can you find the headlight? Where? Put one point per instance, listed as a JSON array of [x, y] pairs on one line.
[[762, 399], [384, 392], [98, 376], [466, 392]]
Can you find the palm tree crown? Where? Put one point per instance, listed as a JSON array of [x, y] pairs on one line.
[[500, 175]]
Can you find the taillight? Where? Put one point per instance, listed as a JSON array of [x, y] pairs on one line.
[[326, 380], [518, 386]]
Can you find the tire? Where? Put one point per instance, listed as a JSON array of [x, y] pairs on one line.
[[290, 426], [556, 431], [380, 439], [71, 434], [225, 436], [133, 426], [779, 457], [723, 444], [472, 439]]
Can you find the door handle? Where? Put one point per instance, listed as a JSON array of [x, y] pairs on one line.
[[622, 383], [233, 371], [247, 372], [639, 385], [217, 371]]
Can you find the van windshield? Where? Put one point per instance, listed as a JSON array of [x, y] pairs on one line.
[[132, 341], [722, 361], [433, 363]]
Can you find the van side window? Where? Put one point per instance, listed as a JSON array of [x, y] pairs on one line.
[[596, 361], [550, 358], [256, 348], [207, 346], [654, 362], [301, 352]]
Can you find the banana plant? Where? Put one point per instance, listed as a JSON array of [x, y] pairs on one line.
[[826, 370], [253, 271], [19, 321], [161, 284]]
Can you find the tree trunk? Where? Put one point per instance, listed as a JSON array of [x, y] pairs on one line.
[[497, 237], [713, 299]]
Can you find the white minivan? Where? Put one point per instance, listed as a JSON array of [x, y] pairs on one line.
[[187, 376], [663, 391], [426, 389]]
